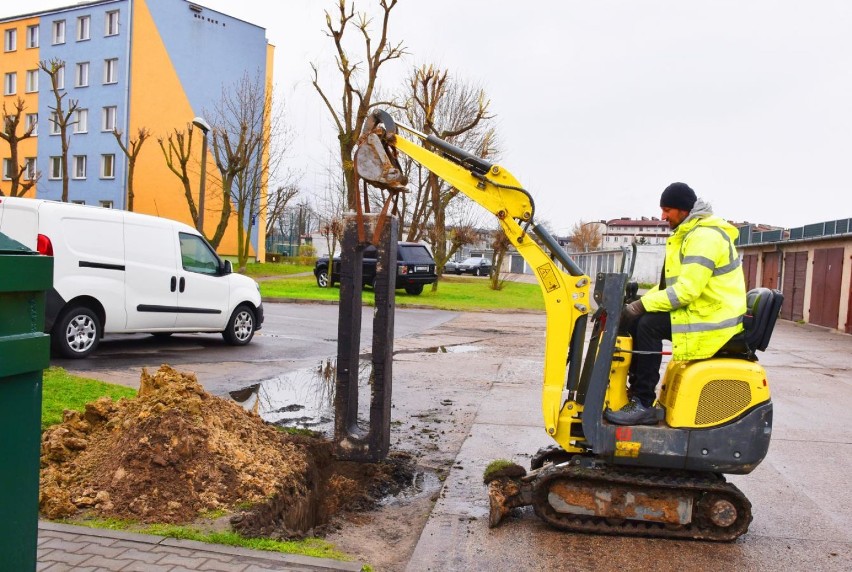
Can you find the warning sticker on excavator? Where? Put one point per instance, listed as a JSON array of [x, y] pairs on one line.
[[547, 273], [627, 448]]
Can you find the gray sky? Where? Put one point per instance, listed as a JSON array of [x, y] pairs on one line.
[[602, 104]]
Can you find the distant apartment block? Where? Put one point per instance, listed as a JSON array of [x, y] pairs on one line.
[[129, 64]]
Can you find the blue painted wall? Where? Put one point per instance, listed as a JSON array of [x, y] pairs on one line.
[[95, 142]]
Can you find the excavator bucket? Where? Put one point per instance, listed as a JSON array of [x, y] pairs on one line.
[[375, 161]]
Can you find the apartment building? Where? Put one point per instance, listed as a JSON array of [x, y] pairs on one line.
[[129, 64]]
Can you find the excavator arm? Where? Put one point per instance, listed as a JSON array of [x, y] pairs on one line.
[[566, 294]]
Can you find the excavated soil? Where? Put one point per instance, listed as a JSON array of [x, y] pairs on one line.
[[175, 452]]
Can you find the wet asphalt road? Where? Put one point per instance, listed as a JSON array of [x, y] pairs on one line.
[[293, 336]]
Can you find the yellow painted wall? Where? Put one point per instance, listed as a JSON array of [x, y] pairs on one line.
[[21, 60], [159, 102]]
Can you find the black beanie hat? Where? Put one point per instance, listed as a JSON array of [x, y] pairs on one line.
[[678, 196]]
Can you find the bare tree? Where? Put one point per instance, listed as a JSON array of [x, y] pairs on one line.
[[331, 206], [586, 236], [131, 151], [60, 116], [21, 180], [456, 112], [356, 98], [500, 245], [249, 142], [277, 202], [177, 151]]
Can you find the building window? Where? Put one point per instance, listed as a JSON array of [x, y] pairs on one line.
[[55, 168], [54, 123], [10, 83], [79, 166], [32, 36], [7, 169], [83, 26], [10, 40], [108, 166], [111, 23], [32, 123], [30, 168], [111, 70], [81, 77], [32, 81], [105, 204], [81, 121], [59, 32], [108, 118], [60, 78], [78, 202]]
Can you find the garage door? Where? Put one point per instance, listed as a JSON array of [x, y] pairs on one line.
[[771, 269], [795, 269], [825, 292]]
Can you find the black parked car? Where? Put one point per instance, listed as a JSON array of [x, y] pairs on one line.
[[475, 266], [415, 268]]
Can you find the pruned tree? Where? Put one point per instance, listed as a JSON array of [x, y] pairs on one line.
[[20, 180], [586, 236], [500, 245], [177, 151], [358, 80], [456, 112], [60, 114], [131, 151]]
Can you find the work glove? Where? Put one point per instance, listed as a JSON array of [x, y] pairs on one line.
[[631, 312]]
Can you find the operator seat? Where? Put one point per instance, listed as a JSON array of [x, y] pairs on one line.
[[762, 308]]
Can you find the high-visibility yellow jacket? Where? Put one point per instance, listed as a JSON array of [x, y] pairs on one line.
[[705, 289]]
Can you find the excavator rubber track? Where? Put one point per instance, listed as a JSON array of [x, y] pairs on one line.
[[719, 510]]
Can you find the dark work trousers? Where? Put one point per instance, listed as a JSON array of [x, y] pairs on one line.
[[648, 332]]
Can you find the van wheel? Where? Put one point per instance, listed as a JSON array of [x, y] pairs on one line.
[[322, 278], [240, 328], [77, 333], [414, 289]]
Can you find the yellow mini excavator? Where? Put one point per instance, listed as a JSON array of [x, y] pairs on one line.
[[715, 415]]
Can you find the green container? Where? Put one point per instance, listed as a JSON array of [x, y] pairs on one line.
[[24, 354]]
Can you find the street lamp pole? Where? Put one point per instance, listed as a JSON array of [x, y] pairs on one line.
[[205, 127]]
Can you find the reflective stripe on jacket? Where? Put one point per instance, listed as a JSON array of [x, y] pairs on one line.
[[705, 288]]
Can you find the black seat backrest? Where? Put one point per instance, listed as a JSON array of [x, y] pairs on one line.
[[764, 305]]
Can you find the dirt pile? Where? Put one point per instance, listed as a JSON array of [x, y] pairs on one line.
[[175, 451], [165, 456]]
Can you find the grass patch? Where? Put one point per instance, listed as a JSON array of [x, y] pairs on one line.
[[315, 547], [454, 293], [65, 391], [256, 269]]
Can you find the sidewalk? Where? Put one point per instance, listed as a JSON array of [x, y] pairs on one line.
[[62, 547]]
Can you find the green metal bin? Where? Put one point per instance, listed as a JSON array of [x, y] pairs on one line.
[[24, 354]]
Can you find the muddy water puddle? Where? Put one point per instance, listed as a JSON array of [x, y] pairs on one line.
[[303, 398]]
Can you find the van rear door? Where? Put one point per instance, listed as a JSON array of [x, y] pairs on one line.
[[204, 292], [151, 287]]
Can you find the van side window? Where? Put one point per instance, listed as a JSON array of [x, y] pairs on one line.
[[196, 255]]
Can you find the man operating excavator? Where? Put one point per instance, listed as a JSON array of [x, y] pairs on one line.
[[699, 303]]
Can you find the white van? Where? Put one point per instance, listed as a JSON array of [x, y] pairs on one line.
[[120, 272]]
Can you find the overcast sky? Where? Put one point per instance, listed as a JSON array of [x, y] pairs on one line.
[[601, 104]]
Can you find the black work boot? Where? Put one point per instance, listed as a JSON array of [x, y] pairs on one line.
[[634, 413]]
